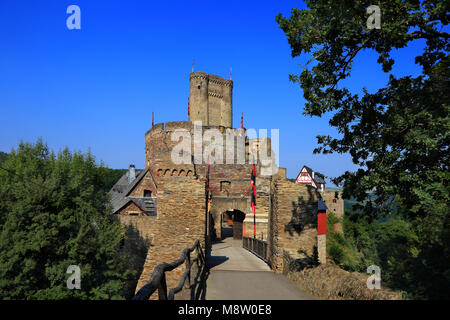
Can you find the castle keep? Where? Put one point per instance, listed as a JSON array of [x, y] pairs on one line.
[[165, 202], [211, 100]]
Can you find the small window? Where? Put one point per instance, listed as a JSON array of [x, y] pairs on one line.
[[147, 193], [334, 200], [225, 186]]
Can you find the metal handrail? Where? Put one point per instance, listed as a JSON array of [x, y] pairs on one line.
[[158, 278]]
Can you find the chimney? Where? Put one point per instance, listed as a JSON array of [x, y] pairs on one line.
[[131, 173]]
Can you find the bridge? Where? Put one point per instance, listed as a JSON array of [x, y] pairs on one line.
[[233, 269], [238, 274]]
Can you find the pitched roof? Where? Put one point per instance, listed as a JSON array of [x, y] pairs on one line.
[[120, 191], [147, 204], [318, 177]]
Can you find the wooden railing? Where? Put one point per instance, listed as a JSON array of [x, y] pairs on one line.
[[158, 278], [257, 247]]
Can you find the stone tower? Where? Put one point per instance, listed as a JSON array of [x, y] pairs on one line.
[[211, 100]]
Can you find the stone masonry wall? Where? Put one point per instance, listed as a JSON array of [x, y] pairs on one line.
[[148, 182], [294, 221], [180, 222], [262, 210], [335, 203], [131, 209], [139, 232]]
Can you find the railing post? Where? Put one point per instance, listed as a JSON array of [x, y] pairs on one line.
[[162, 289], [200, 261], [188, 267], [258, 244], [265, 251]]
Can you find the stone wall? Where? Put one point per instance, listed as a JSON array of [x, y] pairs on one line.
[[139, 232], [263, 190], [148, 182], [131, 209], [335, 203], [219, 205], [179, 223], [145, 225], [293, 221], [226, 179]]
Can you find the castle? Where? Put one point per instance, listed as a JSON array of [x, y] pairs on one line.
[[166, 201]]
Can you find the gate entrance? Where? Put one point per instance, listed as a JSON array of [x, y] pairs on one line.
[[238, 222], [232, 224], [228, 216]]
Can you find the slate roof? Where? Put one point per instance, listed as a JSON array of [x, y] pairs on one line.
[[321, 205], [119, 194]]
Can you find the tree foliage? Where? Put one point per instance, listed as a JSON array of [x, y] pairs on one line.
[[54, 214], [3, 157], [390, 244], [398, 135], [110, 177]]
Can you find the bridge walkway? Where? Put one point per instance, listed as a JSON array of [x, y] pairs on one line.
[[237, 274]]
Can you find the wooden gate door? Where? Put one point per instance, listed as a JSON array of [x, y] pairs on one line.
[[237, 230]]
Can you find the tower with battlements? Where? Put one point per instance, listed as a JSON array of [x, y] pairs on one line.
[[211, 100]]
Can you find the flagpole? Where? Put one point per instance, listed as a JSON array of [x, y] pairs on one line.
[[254, 205], [253, 196], [206, 202]]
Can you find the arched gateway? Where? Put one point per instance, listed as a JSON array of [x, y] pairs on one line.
[[227, 215]]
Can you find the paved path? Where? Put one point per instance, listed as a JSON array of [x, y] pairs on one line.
[[237, 274]]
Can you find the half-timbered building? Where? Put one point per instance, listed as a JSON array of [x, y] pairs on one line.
[[308, 176]]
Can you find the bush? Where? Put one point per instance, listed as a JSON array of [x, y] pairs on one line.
[[340, 249]]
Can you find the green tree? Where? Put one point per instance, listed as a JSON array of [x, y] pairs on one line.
[[54, 214], [3, 157], [110, 177], [398, 135]]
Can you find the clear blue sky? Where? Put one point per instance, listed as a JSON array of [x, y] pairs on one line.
[[97, 87]]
